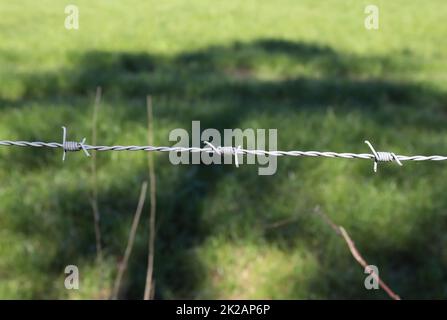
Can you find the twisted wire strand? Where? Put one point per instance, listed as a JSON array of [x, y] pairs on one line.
[[383, 156], [72, 146]]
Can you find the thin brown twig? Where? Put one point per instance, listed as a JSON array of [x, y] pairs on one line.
[[94, 196], [152, 291], [356, 254], [328, 220], [281, 223], [94, 199], [148, 290], [136, 219]]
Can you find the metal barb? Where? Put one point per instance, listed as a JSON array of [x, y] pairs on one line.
[[72, 145], [382, 156], [226, 150]]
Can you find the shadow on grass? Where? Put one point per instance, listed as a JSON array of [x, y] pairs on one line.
[[234, 85]]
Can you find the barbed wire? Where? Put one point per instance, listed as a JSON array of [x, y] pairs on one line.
[[73, 146]]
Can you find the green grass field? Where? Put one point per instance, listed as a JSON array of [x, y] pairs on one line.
[[309, 69]]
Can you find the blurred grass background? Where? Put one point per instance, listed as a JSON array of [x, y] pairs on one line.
[[309, 69]]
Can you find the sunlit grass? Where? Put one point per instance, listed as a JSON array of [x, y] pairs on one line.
[[308, 69]]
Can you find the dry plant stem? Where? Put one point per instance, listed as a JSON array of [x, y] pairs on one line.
[[151, 297], [149, 289], [136, 219], [94, 200], [356, 254], [281, 223]]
